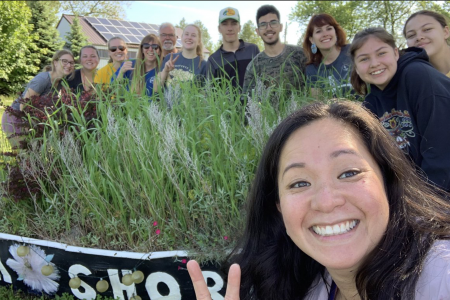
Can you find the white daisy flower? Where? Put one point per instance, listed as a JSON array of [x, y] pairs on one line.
[[28, 268]]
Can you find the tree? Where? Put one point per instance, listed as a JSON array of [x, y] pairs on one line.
[[75, 38], [44, 18], [356, 15], [182, 24], [206, 38], [249, 35], [16, 61], [104, 9], [442, 8]]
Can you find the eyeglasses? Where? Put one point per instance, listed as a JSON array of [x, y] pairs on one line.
[[114, 48], [147, 46], [65, 62], [164, 35], [273, 24]]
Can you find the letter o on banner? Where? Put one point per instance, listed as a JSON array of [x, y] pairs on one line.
[[151, 285]]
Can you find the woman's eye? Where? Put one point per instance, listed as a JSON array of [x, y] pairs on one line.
[[410, 36], [363, 59], [427, 29], [300, 184], [381, 53], [348, 174]]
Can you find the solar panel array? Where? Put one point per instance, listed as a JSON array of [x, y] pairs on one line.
[[130, 32]]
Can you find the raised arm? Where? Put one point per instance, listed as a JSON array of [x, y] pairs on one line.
[[201, 289]]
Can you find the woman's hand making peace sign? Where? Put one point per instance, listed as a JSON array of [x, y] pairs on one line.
[[201, 289], [170, 64]]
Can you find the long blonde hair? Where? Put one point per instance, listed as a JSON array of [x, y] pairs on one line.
[[199, 49], [139, 68]]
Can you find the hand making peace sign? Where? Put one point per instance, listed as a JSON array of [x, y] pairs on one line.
[[201, 289], [170, 64]]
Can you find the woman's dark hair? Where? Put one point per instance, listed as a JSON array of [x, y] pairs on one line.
[[358, 41], [274, 267], [438, 17], [319, 21], [264, 10]]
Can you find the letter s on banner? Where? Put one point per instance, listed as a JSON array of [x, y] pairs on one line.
[[89, 291]]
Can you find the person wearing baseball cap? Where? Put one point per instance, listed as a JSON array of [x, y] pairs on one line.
[[230, 61]]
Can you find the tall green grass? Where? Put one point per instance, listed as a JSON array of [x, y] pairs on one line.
[[169, 173]]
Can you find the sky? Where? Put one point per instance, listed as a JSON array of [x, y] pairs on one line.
[[157, 12]]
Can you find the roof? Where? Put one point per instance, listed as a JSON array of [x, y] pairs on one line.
[[93, 36], [98, 34]]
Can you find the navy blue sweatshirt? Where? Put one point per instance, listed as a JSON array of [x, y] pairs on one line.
[[415, 109]]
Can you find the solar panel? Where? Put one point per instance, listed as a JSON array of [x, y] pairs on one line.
[[115, 22], [112, 29], [130, 32], [92, 20]]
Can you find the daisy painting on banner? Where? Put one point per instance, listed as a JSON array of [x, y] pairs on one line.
[[34, 267]]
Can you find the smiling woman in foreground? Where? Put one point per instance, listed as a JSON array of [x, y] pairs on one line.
[[337, 212]]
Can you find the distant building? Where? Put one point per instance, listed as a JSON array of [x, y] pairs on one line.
[[99, 30]]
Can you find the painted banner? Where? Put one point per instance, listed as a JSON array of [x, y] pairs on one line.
[[45, 267]]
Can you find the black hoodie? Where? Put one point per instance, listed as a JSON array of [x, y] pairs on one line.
[[415, 109]]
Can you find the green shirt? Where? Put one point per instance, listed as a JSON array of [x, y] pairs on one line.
[[287, 68]]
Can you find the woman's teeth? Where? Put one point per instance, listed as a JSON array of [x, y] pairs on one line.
[[377, 72], [335, 229]]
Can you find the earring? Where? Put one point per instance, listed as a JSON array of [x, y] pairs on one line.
[[314, 48]]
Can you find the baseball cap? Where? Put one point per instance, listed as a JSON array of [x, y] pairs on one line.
[[229, 13]]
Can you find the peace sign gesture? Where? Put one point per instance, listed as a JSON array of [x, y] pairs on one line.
[[170, 64], [201, 289]]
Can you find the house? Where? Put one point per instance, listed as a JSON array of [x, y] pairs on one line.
[[99, 30]]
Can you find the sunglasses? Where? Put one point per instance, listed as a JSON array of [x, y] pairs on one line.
[[147, 46], [114, 48]]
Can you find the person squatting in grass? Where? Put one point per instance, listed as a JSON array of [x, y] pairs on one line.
[[410, 97], [279, 63], [187, 65], [118, 53], [62, 66], [328, 61], [337, 212], [232, 58], [83, 78], [140, 73], [429, 30]]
